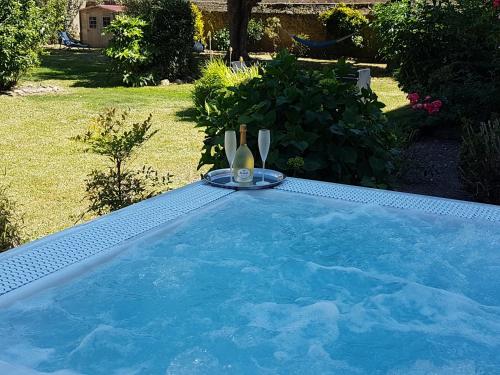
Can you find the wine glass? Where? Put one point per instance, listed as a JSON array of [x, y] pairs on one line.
[[230, 149], [264, 143]]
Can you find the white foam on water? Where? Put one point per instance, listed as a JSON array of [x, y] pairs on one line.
[[195, 361]]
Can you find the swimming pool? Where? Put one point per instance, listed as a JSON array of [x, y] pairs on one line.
[[307, 278]]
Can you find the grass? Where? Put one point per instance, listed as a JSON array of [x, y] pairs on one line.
[[46, 170]]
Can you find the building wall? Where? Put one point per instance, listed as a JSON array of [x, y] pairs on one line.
[[94, 36]]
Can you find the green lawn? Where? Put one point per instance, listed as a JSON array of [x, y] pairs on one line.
[[46, 170]]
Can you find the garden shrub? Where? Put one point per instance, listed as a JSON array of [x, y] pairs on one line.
[[272, 31], [255, 31], [54, 13], [221, 39], [9, 222], [129, 50], [167, 37], [199, 25], [447, 49], [343, 20], [314, 116], [118, 186], [480, 161], [22, 35], [298, 49], [217, 75]]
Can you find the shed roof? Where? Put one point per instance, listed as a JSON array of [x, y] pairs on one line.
[[112, 8]]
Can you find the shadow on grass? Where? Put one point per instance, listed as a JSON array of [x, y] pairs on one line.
[[402, 115], [85, 68], [187, 114]]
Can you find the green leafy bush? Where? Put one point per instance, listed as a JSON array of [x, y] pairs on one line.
[[217, 75], [54, 14], [9, 222], [199, 25], [340, 134], [298, 49], [272, 31], [480, 161], [22, 35], [129, 50], [221, 39], [166, 44], [119, 186], [255, 31], [343, 20], [446, 49]]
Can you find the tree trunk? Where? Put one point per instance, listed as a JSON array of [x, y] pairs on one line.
[[239, 14]]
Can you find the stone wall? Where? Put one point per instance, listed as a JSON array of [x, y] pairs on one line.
[[295, 19]]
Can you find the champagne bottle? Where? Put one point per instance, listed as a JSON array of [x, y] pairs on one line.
[[243, 160]]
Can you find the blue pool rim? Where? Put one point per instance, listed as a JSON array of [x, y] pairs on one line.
[[51, 259]]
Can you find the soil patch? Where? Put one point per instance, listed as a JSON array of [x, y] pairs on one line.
[[431, 168]]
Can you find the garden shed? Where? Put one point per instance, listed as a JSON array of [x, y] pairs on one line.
[[93, 20]]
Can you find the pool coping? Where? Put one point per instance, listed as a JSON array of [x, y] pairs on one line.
[[50, 255]]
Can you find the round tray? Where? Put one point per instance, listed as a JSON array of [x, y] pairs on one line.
[[221, 178]]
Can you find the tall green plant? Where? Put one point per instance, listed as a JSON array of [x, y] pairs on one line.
[[170, 32], [199, 24], [340, 133], [118, 186], [129, 50], [22, 34]]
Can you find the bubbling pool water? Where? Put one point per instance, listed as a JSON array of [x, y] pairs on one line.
[[275, 283]]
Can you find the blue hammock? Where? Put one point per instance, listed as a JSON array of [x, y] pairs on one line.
[[319, 44]]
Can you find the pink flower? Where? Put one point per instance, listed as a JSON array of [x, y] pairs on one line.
[[413, 97], [428, 97], [496, 3], [433, 107], [419, 106], [438, 103]]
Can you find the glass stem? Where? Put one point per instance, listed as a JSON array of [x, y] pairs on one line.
[[263, 169], [231, 173]]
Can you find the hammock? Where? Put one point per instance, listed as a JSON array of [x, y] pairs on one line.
[[318, 44]]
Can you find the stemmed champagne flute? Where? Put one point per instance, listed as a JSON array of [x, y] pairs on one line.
[[264, 143], [230, 149]]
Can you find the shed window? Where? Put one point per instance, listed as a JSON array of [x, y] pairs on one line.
[[92, 22], [106, 20]]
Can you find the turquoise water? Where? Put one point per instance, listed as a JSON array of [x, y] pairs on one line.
[[275, 283]]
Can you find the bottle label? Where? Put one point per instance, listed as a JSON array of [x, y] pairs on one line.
[[243, 174]]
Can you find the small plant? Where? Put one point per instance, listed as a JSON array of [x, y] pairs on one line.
[[9, 222], [221, 40], [255, 30], [480, 161], [118, 186], [298, 49], [295, 165], [272, 31], [129, 50], [199, 25]]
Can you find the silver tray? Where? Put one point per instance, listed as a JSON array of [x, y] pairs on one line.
[[221, 178]]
